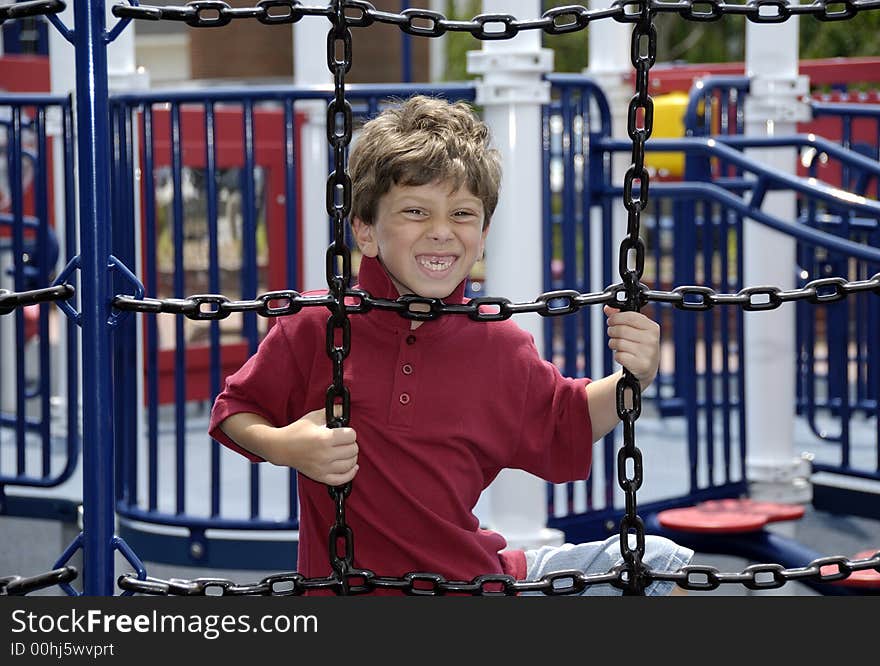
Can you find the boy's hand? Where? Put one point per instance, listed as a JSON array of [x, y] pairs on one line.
[[635, 340], [326, 455]]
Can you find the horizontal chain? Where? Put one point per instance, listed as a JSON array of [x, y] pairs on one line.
[[769, 576], [364, 581], [211, 307], [34, 8], [9, 300], [555, 21], [12, 586], [550, 304]]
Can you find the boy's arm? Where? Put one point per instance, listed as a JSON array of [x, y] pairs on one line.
[[602, 405], [326, 455], [635, 340]]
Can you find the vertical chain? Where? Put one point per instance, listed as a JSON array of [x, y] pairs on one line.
[[631, 265], [339, 131]]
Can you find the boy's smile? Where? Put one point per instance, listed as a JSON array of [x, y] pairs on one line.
[[428, 237]]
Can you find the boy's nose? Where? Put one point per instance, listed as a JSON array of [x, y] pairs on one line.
[[440, 230]]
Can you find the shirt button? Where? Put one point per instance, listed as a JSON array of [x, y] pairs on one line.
[[407, 369], [404, 398], [410, 339]]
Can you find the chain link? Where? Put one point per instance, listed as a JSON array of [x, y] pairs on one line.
[[339, 132], [12, 586], [630, 295], [631, 266], [363, 581], [555, 21], [33, 8], [209, 307], [9, 300]]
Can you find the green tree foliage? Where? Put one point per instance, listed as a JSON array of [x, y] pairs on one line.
[[686, 41]]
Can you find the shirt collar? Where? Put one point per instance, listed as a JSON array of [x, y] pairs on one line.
[[374, 279]]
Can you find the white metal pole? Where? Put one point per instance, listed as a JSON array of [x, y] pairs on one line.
[[62, 80], [437, 47], [772, 108], [310, 68], [609, 65], [512, 92]]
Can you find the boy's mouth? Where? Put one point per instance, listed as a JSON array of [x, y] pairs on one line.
[[434, 263]]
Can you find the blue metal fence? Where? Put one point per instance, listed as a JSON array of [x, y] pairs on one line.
[[838, 371], [174, 476], [39, 428], [694, 230], [171, 476]]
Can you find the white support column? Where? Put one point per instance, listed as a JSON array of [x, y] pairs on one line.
[[62, 80], [773, 107], [512, 92], [437, 47], [122, 69], [610, 66], [310, 68]]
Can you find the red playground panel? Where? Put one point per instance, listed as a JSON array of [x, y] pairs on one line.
[[775, 511], [727, 516], [694, 519], [867, 578]]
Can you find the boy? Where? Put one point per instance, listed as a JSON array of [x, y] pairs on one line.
[[438, 407]]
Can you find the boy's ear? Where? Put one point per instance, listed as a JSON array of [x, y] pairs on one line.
[[364, 236], [483, 242]]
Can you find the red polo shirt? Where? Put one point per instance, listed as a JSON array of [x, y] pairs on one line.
[[438, 412]]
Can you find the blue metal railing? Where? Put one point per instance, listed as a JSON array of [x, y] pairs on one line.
[[29, 251], [693, 228], [198, 498], [838, 368]]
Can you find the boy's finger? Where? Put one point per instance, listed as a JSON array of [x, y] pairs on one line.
[[317, 417], [343, 436], [341, 479], [635, 319], [644, 335]]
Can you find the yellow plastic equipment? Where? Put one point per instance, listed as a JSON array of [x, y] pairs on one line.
[[669, 124]]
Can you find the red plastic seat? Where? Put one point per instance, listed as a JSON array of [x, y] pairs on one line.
[[865, 578], [728, 516], [696, 519], [775, 511], [731, 516]]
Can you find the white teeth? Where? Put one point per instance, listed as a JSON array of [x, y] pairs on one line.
[[436, 263]]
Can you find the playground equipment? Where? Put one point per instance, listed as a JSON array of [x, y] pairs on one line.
[[91, 267]]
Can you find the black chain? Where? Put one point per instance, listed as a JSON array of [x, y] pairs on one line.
[[632, 576], [363, 581], [9, 300], [643, 52], [209, 307], [12, 586], [339, 132], [33, 8], [555, 21]]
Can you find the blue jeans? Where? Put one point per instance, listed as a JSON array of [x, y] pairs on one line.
[[597, 557]]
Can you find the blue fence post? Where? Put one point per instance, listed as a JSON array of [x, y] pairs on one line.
[[94, 215]]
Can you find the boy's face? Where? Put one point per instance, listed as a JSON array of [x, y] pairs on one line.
[[427, 237]]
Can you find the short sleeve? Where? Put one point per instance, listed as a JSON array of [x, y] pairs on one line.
[[555, 434], [264, 385]]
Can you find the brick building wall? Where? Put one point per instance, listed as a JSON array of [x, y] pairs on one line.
[[247, 49]]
